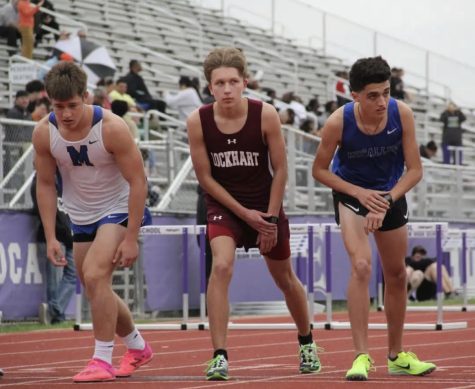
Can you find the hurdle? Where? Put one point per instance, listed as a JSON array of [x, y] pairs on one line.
[[427, 230], [324, 231], [458, 239]]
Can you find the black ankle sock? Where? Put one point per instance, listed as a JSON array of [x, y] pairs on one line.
[[307, 339], [222, 352]]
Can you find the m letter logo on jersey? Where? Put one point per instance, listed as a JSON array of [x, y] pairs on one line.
[[80, 157]]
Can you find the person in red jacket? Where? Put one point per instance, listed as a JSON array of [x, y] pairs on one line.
[[26, 23]]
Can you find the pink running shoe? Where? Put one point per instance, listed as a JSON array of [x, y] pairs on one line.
[[132, 360], [95, 371]]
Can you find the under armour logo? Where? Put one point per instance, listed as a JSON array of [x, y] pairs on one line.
[[232, 141], [217, 217]]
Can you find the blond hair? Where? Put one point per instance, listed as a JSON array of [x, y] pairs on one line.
[[65, 80], [229, 57]]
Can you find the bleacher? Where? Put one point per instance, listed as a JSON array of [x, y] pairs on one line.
[[171, 38]]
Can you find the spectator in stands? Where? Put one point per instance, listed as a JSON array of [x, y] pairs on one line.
[[290, 100], [419, 268], [428, 150], [309, 145], [26, 23], [42, 108], [9, 25], [60, 280], [452, 119], [121, 108], [186, 100], [244, 204], [207, 96], [366, 176], [330, 107], [20, 107], [271, 94], [342, 88], [107, 85], [36, 91], [397, 84], [138, 90], [120, 93], [47, 20], [287, 116]]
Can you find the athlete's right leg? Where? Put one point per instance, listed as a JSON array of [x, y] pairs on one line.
[[359, 252], [223, 249]]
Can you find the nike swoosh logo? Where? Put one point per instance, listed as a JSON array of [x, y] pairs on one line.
[[391, 131], [408, 366], [351, 207], [406, 215], [92, 141]]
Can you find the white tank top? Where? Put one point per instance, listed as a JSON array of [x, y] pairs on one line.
[[93, 186]]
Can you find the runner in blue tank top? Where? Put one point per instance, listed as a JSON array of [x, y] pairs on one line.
[[374, 137], [238, 153]]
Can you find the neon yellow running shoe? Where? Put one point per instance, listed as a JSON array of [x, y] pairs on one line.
[[361, 366], [407, 363]]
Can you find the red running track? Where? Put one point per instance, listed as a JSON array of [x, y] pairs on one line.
[[258, 359]]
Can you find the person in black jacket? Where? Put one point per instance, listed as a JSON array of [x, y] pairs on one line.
[[138, 90], [60, 282]]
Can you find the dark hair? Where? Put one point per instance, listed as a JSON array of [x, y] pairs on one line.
[[185, 80], [65, 80], [119, 107], [34, 86], [132, 63], [431, 145], [366, 71], [121, 80], [21, 93], [419, 250]]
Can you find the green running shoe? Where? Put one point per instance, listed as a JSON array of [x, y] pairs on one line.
[[309, 361], [361, 366], [217, 369], [407, 363]]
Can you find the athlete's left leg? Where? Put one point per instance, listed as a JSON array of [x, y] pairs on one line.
[[392, 247], [294, 292]]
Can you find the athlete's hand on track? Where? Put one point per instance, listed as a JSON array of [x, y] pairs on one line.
[[373, 200], [126, 253], [373, 221], [55, 253]]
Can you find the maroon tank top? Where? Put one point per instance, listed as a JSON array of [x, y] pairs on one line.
[[239, 161]]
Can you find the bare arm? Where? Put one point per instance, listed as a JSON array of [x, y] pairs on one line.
[[45, 169], [411, 154], [119, 142], [276, 144], [46, 194]]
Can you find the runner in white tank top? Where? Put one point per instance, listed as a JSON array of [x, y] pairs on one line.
[[93, 184], [104, 191]]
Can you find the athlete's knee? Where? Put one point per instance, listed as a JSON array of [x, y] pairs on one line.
[[396, 275], [285, 281], [93, 281], [361, 269], [222, 270]]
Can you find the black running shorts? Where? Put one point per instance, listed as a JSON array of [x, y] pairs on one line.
[[396, 216]]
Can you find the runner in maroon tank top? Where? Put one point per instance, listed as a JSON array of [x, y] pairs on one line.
[[238, 153]]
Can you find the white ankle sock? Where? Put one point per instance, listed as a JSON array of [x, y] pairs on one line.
[[103, 351], [134, 340]]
